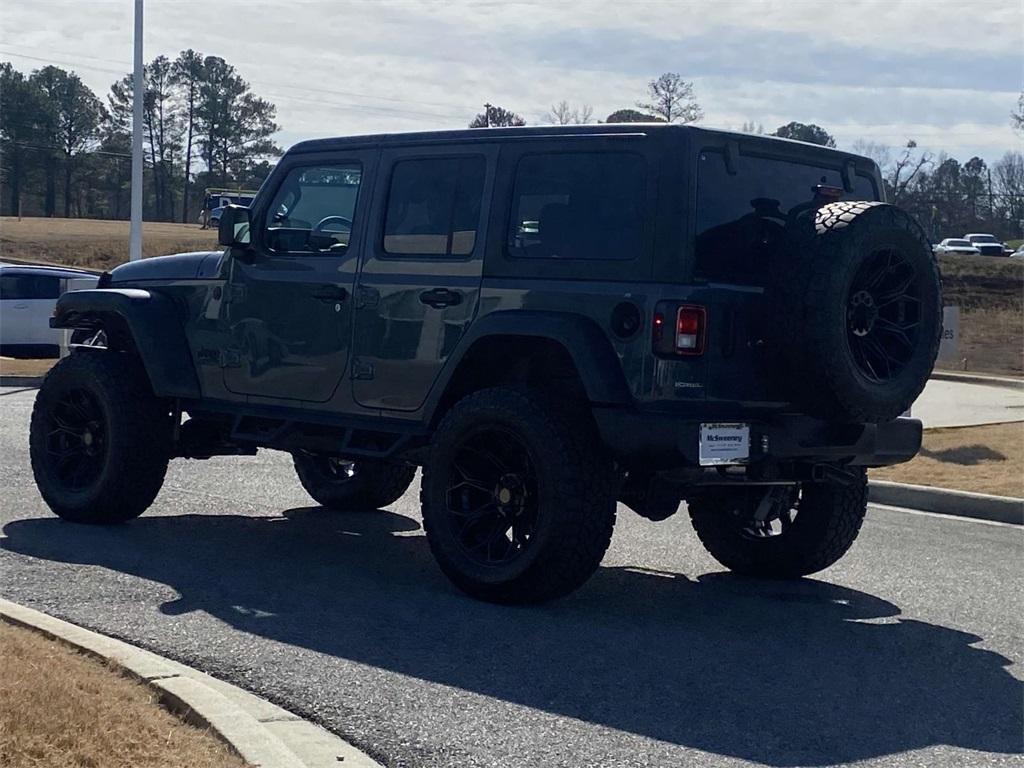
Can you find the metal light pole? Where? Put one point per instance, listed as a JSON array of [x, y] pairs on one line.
[[138, 95]]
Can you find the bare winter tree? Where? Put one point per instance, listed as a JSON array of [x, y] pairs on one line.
[[1017, 116], [905, 169], [672, 99], [752, 127], [563, 113]]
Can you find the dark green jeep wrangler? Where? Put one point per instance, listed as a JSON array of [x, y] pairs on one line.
[[547, 321]]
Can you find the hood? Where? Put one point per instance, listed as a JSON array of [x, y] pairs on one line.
[[180, 266]]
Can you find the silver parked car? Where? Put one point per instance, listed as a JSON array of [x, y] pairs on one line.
[[28, 295], [955, 245]]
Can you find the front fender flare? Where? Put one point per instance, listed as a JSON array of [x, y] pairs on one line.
[[154, 325]]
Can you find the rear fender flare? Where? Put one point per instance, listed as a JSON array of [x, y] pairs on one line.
[[154, 325], [588, 346]]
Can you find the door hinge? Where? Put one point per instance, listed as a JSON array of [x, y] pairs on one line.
[[361, 369], [230, 358], [366, 297], [233, 293]]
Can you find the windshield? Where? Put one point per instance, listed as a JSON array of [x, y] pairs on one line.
[[958, 243], [741, 216], [982, 239]]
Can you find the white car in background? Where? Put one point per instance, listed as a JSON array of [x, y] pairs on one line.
[[28, 295], [956, 245], [987, 244]]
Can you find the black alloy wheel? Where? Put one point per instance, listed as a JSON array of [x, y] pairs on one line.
[[76, 439], [884, 315], [492, 498]]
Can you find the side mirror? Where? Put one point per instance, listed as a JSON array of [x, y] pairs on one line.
[[234, 227]]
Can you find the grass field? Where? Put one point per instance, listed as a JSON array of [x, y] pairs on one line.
[[94, 244], [989, 291], [59, 708]]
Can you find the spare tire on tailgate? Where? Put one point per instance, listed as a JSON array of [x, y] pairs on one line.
[[860, 311]]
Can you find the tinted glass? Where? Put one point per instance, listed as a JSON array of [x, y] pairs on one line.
[[586, 205], [29, 286], [314, 209], [741, 216], [434, 206]]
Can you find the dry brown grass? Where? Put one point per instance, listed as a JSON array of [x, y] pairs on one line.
[[985, 459], [10, 366], [990, 294], [93, 243], [59, 708]]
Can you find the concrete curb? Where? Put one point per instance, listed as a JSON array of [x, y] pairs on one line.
[[21, 381], [981, 506], [261, 733], [979, 378]]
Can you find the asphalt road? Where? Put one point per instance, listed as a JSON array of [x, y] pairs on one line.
[[907, 653]]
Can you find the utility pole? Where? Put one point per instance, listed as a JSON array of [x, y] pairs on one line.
[[138, 96], [487, 115]]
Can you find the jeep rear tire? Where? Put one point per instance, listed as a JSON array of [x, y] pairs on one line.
[[518, 500], [808, 529], [352, 485], [99, 439], [860, 312]]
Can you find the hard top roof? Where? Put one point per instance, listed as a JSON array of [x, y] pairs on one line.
[[487, 135]]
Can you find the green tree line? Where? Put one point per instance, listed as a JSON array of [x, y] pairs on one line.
[[65, 152]]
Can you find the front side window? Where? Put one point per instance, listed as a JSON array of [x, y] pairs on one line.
[[434, 206], [581, 205], [741, 216], [314, 209], [29, 287]]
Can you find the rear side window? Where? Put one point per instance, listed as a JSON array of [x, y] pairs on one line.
[[741, 217], [434, 206], [585, 205], [29, 286]]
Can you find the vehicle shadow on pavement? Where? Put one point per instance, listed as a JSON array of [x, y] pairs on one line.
[[786, 674]]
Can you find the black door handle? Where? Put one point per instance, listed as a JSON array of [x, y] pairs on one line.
[[441, 298], [330, 293]]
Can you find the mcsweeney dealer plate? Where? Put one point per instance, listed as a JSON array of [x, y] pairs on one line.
[[724, 443]]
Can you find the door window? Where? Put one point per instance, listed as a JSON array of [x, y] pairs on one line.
[[582, 205], [434, 206], [29, 287], [314, 209]]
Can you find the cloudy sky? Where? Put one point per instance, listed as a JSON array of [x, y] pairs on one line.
[[946, 73]]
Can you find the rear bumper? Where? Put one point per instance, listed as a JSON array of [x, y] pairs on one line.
[[664, 441]]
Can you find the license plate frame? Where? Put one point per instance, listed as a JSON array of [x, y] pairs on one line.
[[723, 443]]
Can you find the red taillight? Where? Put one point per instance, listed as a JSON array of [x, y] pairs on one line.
[[691, 328], [679, 329]]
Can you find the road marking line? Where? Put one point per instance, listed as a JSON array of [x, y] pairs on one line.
[[890, 508]]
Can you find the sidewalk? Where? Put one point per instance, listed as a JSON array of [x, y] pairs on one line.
[[947, 403]]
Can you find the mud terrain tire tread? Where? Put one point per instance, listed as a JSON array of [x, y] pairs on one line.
[[139, 438], [828, 522], [576, 478], [377, 483]]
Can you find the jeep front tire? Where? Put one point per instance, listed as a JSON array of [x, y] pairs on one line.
[[518, 500], [99, 439]]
